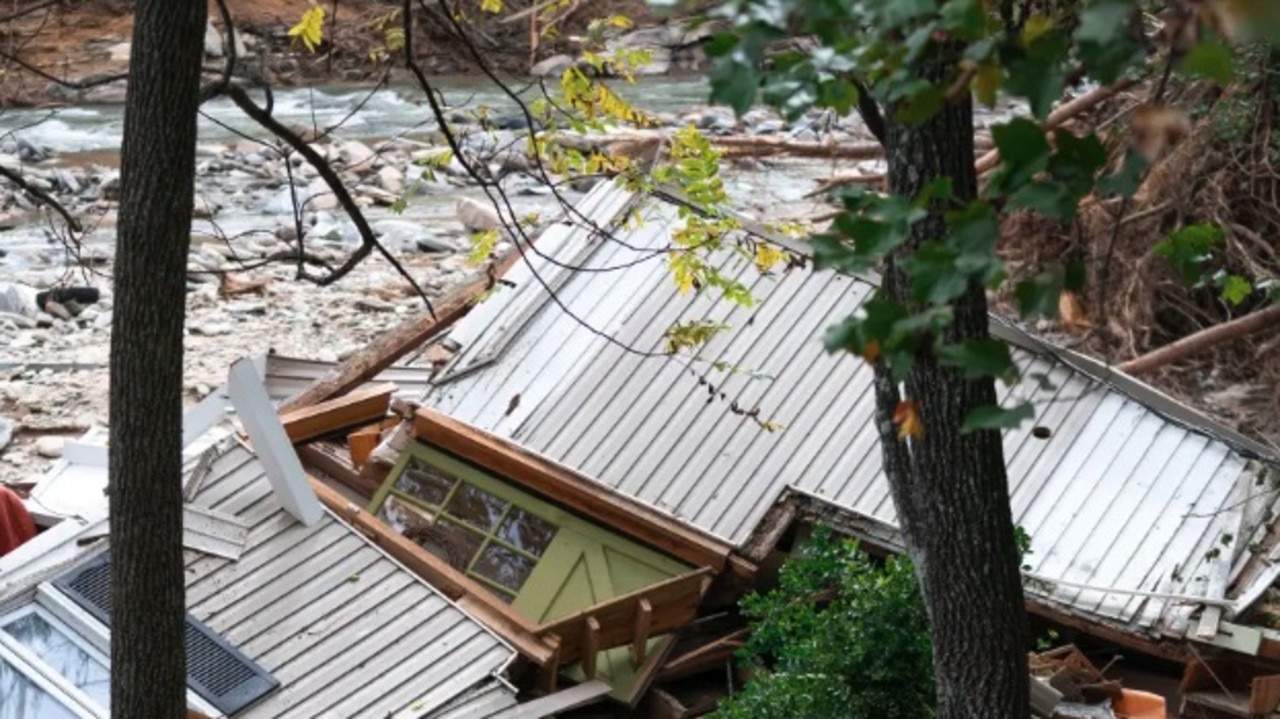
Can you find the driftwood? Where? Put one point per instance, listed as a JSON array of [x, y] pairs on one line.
[[1203, 340], [1058, 117]]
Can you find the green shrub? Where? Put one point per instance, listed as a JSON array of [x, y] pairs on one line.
[[843, 636]]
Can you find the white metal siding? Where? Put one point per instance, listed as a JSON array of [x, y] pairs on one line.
[[346, 630], [1119, 496]]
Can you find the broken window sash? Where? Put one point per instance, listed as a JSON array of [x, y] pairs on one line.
[[469, 523]]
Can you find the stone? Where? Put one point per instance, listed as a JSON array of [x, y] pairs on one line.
[[357, 154], [319, 196], [477, 216], [6, 433], [213, 41], [50, 447], [212, 329], [371, 304], [391, 179], [120, 51], [203, 208], [552, 66]]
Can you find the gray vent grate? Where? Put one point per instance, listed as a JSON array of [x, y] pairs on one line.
[[217, 671]]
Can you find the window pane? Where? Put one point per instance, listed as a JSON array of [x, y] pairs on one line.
[[402, 516], [525, 531], [20, 698], [63, 655], [425, 482], [476, 507], [458, 543], [499, 564]]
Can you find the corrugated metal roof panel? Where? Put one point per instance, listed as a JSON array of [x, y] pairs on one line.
[[310, 604], [1118, 496]]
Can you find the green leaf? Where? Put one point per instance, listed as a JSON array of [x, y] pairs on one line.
[[992, 417], [1024, 151], [1039, 296], [1127, 179], [1236, 289], [1103, 39], [1051, 199], [1189, 248], [1210, 59], [934, 276], [980, 358]]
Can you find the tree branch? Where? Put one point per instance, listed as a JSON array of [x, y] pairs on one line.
[[42, 196], [1207, 338]]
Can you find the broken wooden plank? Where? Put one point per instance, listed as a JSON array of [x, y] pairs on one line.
[[410, 335], [590, 646], [551, 669], [332, 460], [562, 485], [361, 443], [765, 537], [640, 635], [562, 701], [467, 593], [708, 656], [673, 604], [362, 406]]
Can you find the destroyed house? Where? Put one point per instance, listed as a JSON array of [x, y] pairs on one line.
[[292, 612], [567, 474]]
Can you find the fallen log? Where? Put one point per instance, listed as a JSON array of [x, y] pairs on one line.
[[410, 335], [1065, 112], [1203, 340]]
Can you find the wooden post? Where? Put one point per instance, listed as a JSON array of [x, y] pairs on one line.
[[640, 640], [590, 648]]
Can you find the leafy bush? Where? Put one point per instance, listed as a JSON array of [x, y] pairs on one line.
[[842, 637]]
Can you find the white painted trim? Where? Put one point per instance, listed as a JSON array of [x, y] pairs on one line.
[[271, 444]]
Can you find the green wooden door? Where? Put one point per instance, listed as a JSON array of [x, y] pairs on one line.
[[547, 562]]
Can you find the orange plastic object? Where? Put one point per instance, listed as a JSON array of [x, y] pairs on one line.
[[1134, 704]]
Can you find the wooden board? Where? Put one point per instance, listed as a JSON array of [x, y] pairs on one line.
[[672, 604], [364, 405], [564, 486]]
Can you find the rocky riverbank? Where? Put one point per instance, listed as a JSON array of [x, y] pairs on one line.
[[53, 359]]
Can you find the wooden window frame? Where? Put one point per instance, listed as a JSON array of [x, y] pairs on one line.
[[463, 473]]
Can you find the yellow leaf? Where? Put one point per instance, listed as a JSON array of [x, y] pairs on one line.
[[310, 28], [767, 256], [621, 22], [493, 6], [1035, 27], [907, 416], [986, 83]]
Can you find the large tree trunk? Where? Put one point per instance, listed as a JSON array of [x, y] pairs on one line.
[[950, 489], [157, 176]]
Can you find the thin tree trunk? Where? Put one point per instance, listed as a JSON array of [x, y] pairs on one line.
[[157, 176], [949, 488]]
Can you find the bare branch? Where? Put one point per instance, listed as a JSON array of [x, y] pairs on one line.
[[42, 196]]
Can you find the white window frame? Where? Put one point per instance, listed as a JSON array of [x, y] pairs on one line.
[[26, 663], [88, 633]]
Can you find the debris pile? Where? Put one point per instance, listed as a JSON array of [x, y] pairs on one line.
[[1066, 685]]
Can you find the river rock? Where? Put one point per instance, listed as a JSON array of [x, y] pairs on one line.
[[357, 155], [119, 52], [203, 208], [18, 299], [391, 179], [50, 447], [6, 433], [319, 196], [552, 66], [477, 216]]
